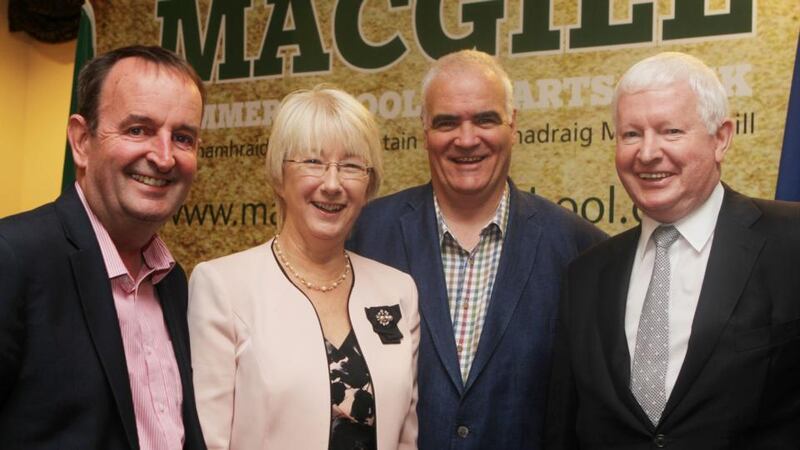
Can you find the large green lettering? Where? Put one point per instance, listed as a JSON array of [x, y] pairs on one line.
[[435, 42], [181, 15], [596, 31], [690, 20], [536, 35], [305, 35], [351, 44]]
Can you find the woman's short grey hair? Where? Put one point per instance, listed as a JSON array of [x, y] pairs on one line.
[[309, 120], [664, 69], [463, 61]]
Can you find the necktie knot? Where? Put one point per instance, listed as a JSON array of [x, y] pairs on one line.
[[665, 235]]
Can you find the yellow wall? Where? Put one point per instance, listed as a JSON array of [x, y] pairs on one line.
[[35, 82]]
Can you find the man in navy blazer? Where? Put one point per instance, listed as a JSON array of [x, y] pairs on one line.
[[94, 349], [709, 319], [487, 259]]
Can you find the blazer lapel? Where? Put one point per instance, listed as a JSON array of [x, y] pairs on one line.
[[734, 251], [420, 236], [97, 301], [171, 291], [514, 270], [611, 303], [167, 297]]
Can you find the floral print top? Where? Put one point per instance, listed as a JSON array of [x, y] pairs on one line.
[[353, 415]]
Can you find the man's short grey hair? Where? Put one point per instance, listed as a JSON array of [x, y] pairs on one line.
[[667, 68], [464, 61]]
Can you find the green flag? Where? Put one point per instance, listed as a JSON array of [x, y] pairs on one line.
[[84, 52]]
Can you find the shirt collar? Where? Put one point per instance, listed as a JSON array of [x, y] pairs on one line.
[[696, 228], [156, 255], [499, 220]]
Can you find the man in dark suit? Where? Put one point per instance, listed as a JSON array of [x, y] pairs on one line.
[[487, 259], [94, 350], [683, 332]]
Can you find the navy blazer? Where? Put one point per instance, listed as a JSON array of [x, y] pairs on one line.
[[63, 376], [501, 404], [739, 385]]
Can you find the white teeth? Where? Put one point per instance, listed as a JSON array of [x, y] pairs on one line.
[[330, 207], [149, 180], [654, 176], [469, 159]]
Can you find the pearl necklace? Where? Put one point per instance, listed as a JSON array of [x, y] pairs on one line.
[[303, 281]]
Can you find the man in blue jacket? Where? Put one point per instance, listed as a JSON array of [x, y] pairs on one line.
[[487, 259]]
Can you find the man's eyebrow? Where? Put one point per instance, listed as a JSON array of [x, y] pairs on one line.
[[443, 117], [194, 131], [136, 118], [488, 115]]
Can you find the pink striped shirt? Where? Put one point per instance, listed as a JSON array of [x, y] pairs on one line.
[[152, 369]]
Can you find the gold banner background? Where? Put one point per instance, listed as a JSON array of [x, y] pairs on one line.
[[556, 170]]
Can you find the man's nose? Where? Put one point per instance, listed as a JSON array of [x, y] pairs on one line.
[[467, 134], [650, 149], [161, 153]]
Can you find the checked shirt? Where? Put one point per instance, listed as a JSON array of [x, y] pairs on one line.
[[470, 276]]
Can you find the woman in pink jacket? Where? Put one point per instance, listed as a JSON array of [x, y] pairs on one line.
[[297, 343]]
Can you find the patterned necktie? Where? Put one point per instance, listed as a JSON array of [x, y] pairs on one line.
[[651, 355]]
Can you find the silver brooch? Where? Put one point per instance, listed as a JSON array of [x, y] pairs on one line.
[[383, 317]]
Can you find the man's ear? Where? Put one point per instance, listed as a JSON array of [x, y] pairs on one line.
[[723, 138], [425, 130], [78, 134]]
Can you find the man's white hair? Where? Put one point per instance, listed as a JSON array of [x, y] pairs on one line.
[[667, 68]]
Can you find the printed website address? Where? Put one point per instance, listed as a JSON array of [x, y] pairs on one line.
[[225, 214]]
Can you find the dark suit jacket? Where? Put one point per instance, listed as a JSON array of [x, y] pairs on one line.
[[63, 376], [501, 404], [739, 386]]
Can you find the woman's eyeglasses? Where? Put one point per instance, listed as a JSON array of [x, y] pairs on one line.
[[346, 170]]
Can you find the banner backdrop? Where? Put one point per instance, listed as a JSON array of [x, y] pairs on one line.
[[564, 58]]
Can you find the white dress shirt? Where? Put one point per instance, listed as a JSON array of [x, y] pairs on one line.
[[688, 258]]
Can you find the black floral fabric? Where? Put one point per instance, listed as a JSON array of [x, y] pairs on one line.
[[353, 415]]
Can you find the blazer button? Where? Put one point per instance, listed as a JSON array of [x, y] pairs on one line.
[[660, 441], [462, 431]]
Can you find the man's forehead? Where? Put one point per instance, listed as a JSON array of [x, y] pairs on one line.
[[466, 111], [134, 94], [668, 100], [131, 68], [134, 71], [137, 75]]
